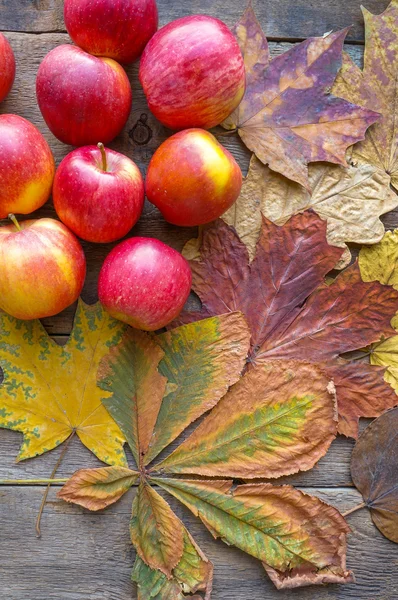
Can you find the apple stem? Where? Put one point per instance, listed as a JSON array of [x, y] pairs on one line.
[[103, 154], [13, 218]]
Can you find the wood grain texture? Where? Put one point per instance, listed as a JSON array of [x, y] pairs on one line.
[[87, 556], [286, 19]]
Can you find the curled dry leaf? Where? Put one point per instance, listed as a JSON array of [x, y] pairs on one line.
[[376, 87], [380, 263], [96, 489], [50, 392], [374, 470], [278, 419], [287, 116], [351, 200], [292, 314], [193, 573], [156, 533], [286, 529]]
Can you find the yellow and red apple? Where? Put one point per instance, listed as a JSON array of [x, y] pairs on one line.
[[98, 193], [7, 67], [26, 166], [192, 178], [192, 72], [144, 283], [118, 29], [42, 268], [83, 99]]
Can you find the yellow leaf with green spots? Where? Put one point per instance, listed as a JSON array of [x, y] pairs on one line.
[[280, 418], [380, 263], [50, 392], [284, 528]]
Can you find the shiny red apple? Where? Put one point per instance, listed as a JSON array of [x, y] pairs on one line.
[[192, 72], [83, 99], [26, 167], [42, 268], [98, 193], [144, 283], [7, 67], [192, 178], [118, 29]]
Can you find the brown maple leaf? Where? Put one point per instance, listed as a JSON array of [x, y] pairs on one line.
[[288, 117], [291, 312]]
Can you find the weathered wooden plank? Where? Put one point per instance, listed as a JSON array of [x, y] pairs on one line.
[[286, 19], [88, 556]]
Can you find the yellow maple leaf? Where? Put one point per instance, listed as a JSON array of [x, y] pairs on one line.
[[49, 392]]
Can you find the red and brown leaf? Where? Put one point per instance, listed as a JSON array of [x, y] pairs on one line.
[[288, 117], [291, 312], [362, 392]]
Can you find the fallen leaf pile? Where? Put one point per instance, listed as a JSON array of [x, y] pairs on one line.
[[292, 314], [274, 421], [264, 366]]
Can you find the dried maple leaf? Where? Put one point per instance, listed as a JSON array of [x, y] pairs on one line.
[[376, 87], [351, 200], [374, 470], [273, 422], [380, 263], [292, 313], [287, 116], [50, 392]]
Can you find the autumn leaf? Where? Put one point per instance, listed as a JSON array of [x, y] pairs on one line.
[[278, 419], [281, 526], [291, 313], [349, 199], [96, 489], [380, 263], [376, 87], [50, 392], [361, 391], [374, 471], [194, 572], [287, 116], [199, 361], [156, 533]]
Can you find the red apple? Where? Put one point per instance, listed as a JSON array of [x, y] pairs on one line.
[[118, 29], [26, 166], [42, 268], [83, 99], [192, 72], [7, 67], [192, 179], [144, 283], [98, 193]]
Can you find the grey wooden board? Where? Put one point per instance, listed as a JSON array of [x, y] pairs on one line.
[[88, 556], [282, 19]]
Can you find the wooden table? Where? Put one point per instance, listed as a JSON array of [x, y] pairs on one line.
[[87, 556]]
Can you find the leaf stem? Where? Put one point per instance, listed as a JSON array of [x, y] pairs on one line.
[[55, 469], [13, 218], [354, 509], [31, 481], [364, 355], [103, 155]]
